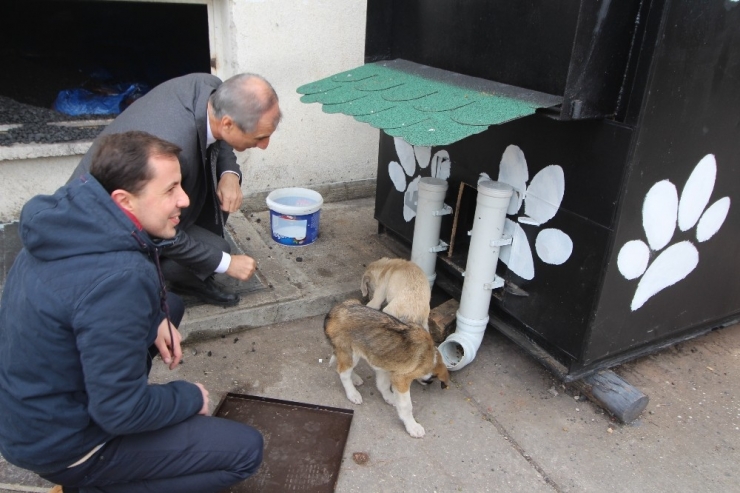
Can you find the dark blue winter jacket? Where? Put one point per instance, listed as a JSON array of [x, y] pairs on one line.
[[80, 307]]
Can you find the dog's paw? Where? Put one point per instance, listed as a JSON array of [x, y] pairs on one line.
[[415, 429], [354, 397], [357, 379]]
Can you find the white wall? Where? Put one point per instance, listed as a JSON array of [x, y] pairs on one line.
[[291, 43], [22, 179]]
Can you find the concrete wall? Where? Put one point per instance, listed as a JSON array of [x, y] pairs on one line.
[[289, 42], [28, 170]]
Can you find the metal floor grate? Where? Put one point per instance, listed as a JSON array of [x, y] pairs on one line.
[[304, 443]]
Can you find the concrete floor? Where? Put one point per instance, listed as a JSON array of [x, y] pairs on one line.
[[506, 424]]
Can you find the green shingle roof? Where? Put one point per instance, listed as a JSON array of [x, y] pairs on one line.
[[423, 105]]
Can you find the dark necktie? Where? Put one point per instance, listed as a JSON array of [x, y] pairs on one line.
[[212, 158]]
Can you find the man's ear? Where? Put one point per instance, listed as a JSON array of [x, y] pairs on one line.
[[227, 123], [123, 199]]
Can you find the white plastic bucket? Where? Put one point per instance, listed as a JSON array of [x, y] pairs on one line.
[[294, 215]]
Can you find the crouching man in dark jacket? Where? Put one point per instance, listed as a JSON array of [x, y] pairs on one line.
[[83, 311]]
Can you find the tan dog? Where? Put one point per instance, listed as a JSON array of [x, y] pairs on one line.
[[403, 285], [399, 353]]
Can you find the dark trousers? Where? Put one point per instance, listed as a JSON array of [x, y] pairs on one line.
[[208, 229], [176, 310], [203, 454], [200, 455], [177, 272]]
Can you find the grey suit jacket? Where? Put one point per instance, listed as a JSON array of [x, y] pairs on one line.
[[176, 111]]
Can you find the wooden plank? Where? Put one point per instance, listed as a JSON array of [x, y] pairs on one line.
[[609, 391], [442, 320]]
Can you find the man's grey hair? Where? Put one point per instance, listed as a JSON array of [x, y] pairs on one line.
[[243, 101]]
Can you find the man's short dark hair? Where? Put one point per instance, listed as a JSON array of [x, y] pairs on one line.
[[121, 161]]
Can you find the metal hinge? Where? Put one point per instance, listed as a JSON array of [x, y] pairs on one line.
[[498, 282], [446, 209], [503, 241], [439, 248]]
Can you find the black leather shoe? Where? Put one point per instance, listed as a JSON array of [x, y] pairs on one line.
[[207, 291]]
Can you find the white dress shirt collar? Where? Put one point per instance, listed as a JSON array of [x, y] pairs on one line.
[[210, 139]]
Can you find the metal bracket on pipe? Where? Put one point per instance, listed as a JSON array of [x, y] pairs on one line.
[[445, 210], [498, 282], [503, 241], [439, 248]]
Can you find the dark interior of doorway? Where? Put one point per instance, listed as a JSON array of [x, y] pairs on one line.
[[50, 45]]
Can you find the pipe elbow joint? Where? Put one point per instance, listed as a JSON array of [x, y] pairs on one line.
[[460, 348]]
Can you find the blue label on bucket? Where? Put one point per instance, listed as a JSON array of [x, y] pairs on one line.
[[294, 230]]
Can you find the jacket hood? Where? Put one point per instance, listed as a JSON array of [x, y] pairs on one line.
[[79, 219]]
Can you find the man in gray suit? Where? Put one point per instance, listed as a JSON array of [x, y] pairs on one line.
[[207, 119]]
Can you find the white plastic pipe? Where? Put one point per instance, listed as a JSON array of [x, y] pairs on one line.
[[460, 348], [430, 208]]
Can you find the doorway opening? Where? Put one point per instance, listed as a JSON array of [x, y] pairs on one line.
[[105, 47]]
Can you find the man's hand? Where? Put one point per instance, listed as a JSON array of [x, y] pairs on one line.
[[229, 192], [241, 267], [204, 410], [170, 351]]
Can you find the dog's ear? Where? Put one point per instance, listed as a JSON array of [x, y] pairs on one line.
[[441, 372], [365, 285]]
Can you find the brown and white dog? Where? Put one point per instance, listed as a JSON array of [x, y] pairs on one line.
[[399, 353], [403, 285]]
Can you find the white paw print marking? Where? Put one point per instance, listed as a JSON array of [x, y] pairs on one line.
[[541, 201], [662, 211], [409, 156]]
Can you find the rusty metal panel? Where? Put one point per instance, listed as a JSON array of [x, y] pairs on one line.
[[304, 443]]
